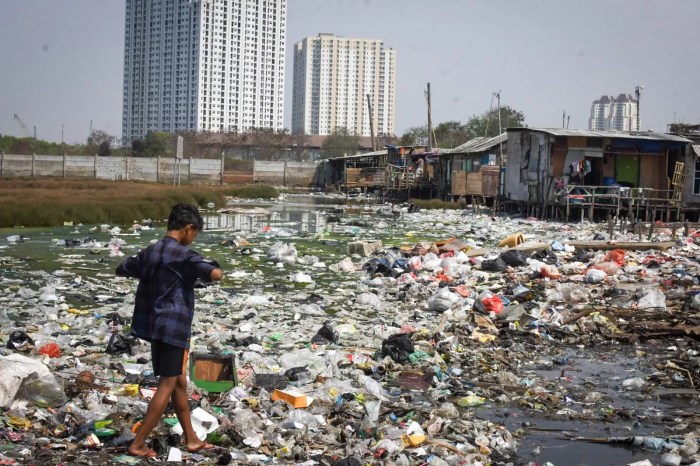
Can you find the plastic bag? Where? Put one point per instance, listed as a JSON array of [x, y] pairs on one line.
[[375, 389], [493, 304], [380, 266], [595, 276], [548, 257], [514, 258], [326, 334], [550, 271], [398, 347], [442, 300], [52, 350], [494, 265], [298, 374], [19, 340], [654, 299], [120, 344], [282, 252], [42, 393], [617, 255]]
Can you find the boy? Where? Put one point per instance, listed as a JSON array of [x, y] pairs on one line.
[[163, 311]]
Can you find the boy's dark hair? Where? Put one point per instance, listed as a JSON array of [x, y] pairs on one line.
[[182, 215]]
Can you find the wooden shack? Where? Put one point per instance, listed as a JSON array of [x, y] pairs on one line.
[[474, 168], [601, 170]]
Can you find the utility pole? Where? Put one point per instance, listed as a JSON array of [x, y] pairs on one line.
[[371, 122], [430, 122], [638, 93], [563, 119], [500, 130]]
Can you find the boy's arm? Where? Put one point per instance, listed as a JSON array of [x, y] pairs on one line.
[[205, 269], [130, 267]]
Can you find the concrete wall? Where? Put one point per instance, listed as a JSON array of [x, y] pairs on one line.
[[301, 174], [154, 169]]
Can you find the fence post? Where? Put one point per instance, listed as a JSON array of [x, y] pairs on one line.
[[2, 164], [253, 171], [64, 165], [222, 168], [158, 169], [126, 167], [94, 167], [284, 172], [32, 165]]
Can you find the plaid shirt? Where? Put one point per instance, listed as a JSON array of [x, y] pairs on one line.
[[164, 307]]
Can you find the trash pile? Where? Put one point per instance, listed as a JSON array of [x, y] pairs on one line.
[[392, 337]]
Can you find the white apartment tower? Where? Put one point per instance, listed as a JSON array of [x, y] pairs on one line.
[[203, 65], [332, 78], [614, 113]]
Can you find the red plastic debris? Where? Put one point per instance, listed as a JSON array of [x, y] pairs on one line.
[[493, 304], [617, 255], [52, 350]]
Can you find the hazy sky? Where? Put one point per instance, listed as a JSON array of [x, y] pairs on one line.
[[62, 59]]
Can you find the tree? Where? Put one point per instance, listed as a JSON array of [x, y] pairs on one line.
[[156, 144], [105, 149], [450, 134], [98, 136], [100, 142], [341, 142], [486, 124], [137, 147], [414, 135]]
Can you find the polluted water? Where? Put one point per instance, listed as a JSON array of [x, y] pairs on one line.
[[363, 334]]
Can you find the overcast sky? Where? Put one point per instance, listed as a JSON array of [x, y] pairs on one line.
[[62, 59]]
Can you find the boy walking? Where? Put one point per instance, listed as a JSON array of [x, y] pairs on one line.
[[163, 312]]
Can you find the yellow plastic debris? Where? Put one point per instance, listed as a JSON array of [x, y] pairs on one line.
[[413, 440], [470, 400]]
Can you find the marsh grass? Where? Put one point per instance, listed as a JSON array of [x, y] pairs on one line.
[[437, 204], [51, 202]]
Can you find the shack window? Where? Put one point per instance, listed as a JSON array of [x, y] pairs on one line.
[[468, 165], [696, 180]]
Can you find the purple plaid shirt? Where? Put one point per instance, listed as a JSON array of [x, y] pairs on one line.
[[164, 306]]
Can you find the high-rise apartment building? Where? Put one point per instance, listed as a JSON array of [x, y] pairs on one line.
[[614, 113], [332, 78], [203, 65]]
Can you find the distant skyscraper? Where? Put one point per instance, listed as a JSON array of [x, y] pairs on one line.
[[203, 65], [610, 113], [332, 77]]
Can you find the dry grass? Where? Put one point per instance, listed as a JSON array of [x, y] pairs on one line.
[[50, 202]]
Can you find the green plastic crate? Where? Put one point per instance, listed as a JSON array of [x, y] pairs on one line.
[[213, 372]]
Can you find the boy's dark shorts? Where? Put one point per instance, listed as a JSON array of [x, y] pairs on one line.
[[168, 360]]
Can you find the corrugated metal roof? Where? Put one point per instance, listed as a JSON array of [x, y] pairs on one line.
[[696, 148], [645, 135], [357, 156], [477, 145]]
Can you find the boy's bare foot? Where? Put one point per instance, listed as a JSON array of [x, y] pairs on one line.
[[199, 446], [143, 452]]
